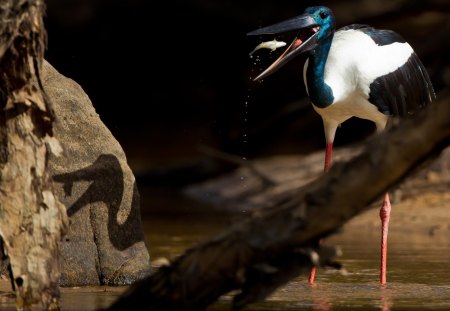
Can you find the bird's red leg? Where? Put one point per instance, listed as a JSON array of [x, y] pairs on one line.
[[312, 275], [385, 213], [328, 158]]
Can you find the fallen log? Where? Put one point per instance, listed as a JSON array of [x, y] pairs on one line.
[[274, 245]]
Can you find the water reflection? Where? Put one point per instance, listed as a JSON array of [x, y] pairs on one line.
[[386, 302], [418, 269]]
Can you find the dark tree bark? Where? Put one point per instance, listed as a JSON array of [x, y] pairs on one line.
[[274, 245], [32, 220]]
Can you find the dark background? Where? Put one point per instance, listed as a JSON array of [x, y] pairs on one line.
[[167, 77]]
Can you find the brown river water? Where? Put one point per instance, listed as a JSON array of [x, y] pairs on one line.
[[418, 269]]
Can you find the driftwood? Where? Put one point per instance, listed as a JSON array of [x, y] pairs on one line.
[[273, 246], [31, 218]]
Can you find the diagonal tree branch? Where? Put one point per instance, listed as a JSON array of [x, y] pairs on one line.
[[274, 245]]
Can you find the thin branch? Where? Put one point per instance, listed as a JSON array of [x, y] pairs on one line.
[[267, 180]]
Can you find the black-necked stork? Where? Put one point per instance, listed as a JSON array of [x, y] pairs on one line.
[[356, 71]]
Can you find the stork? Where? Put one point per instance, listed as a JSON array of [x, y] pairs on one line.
[[355, 71]]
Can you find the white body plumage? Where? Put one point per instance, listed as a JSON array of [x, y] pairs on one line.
[[354, 62]]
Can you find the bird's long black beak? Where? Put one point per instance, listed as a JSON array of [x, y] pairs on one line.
[[299, 45]]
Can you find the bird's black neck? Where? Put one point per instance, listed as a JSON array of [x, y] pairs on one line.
[[319, 92]]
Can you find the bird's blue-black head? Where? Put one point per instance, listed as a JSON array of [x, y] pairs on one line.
[[316, 26], [324, 18]]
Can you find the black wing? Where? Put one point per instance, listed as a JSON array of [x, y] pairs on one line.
[[403, 91]]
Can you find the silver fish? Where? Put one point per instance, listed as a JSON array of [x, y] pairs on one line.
[[272, 45]]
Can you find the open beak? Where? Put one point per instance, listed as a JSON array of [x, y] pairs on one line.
[[305, 41]]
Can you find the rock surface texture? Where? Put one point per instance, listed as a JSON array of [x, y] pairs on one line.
[[105, 243]]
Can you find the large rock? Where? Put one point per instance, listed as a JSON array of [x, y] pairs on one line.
[[105, 243]]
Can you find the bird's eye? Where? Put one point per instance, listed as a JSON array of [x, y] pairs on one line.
[[323, 15]]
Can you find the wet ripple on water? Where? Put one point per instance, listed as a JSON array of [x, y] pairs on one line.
[[418, 278]]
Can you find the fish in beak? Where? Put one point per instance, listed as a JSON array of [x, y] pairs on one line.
[[306, 40]]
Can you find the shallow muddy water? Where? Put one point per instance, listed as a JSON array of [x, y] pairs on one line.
[[418, 270]]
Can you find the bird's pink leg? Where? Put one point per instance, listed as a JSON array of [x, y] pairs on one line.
[[312, 275], [328, 158], [385, 213]]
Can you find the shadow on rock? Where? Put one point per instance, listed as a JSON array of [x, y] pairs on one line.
[[107, 186]]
